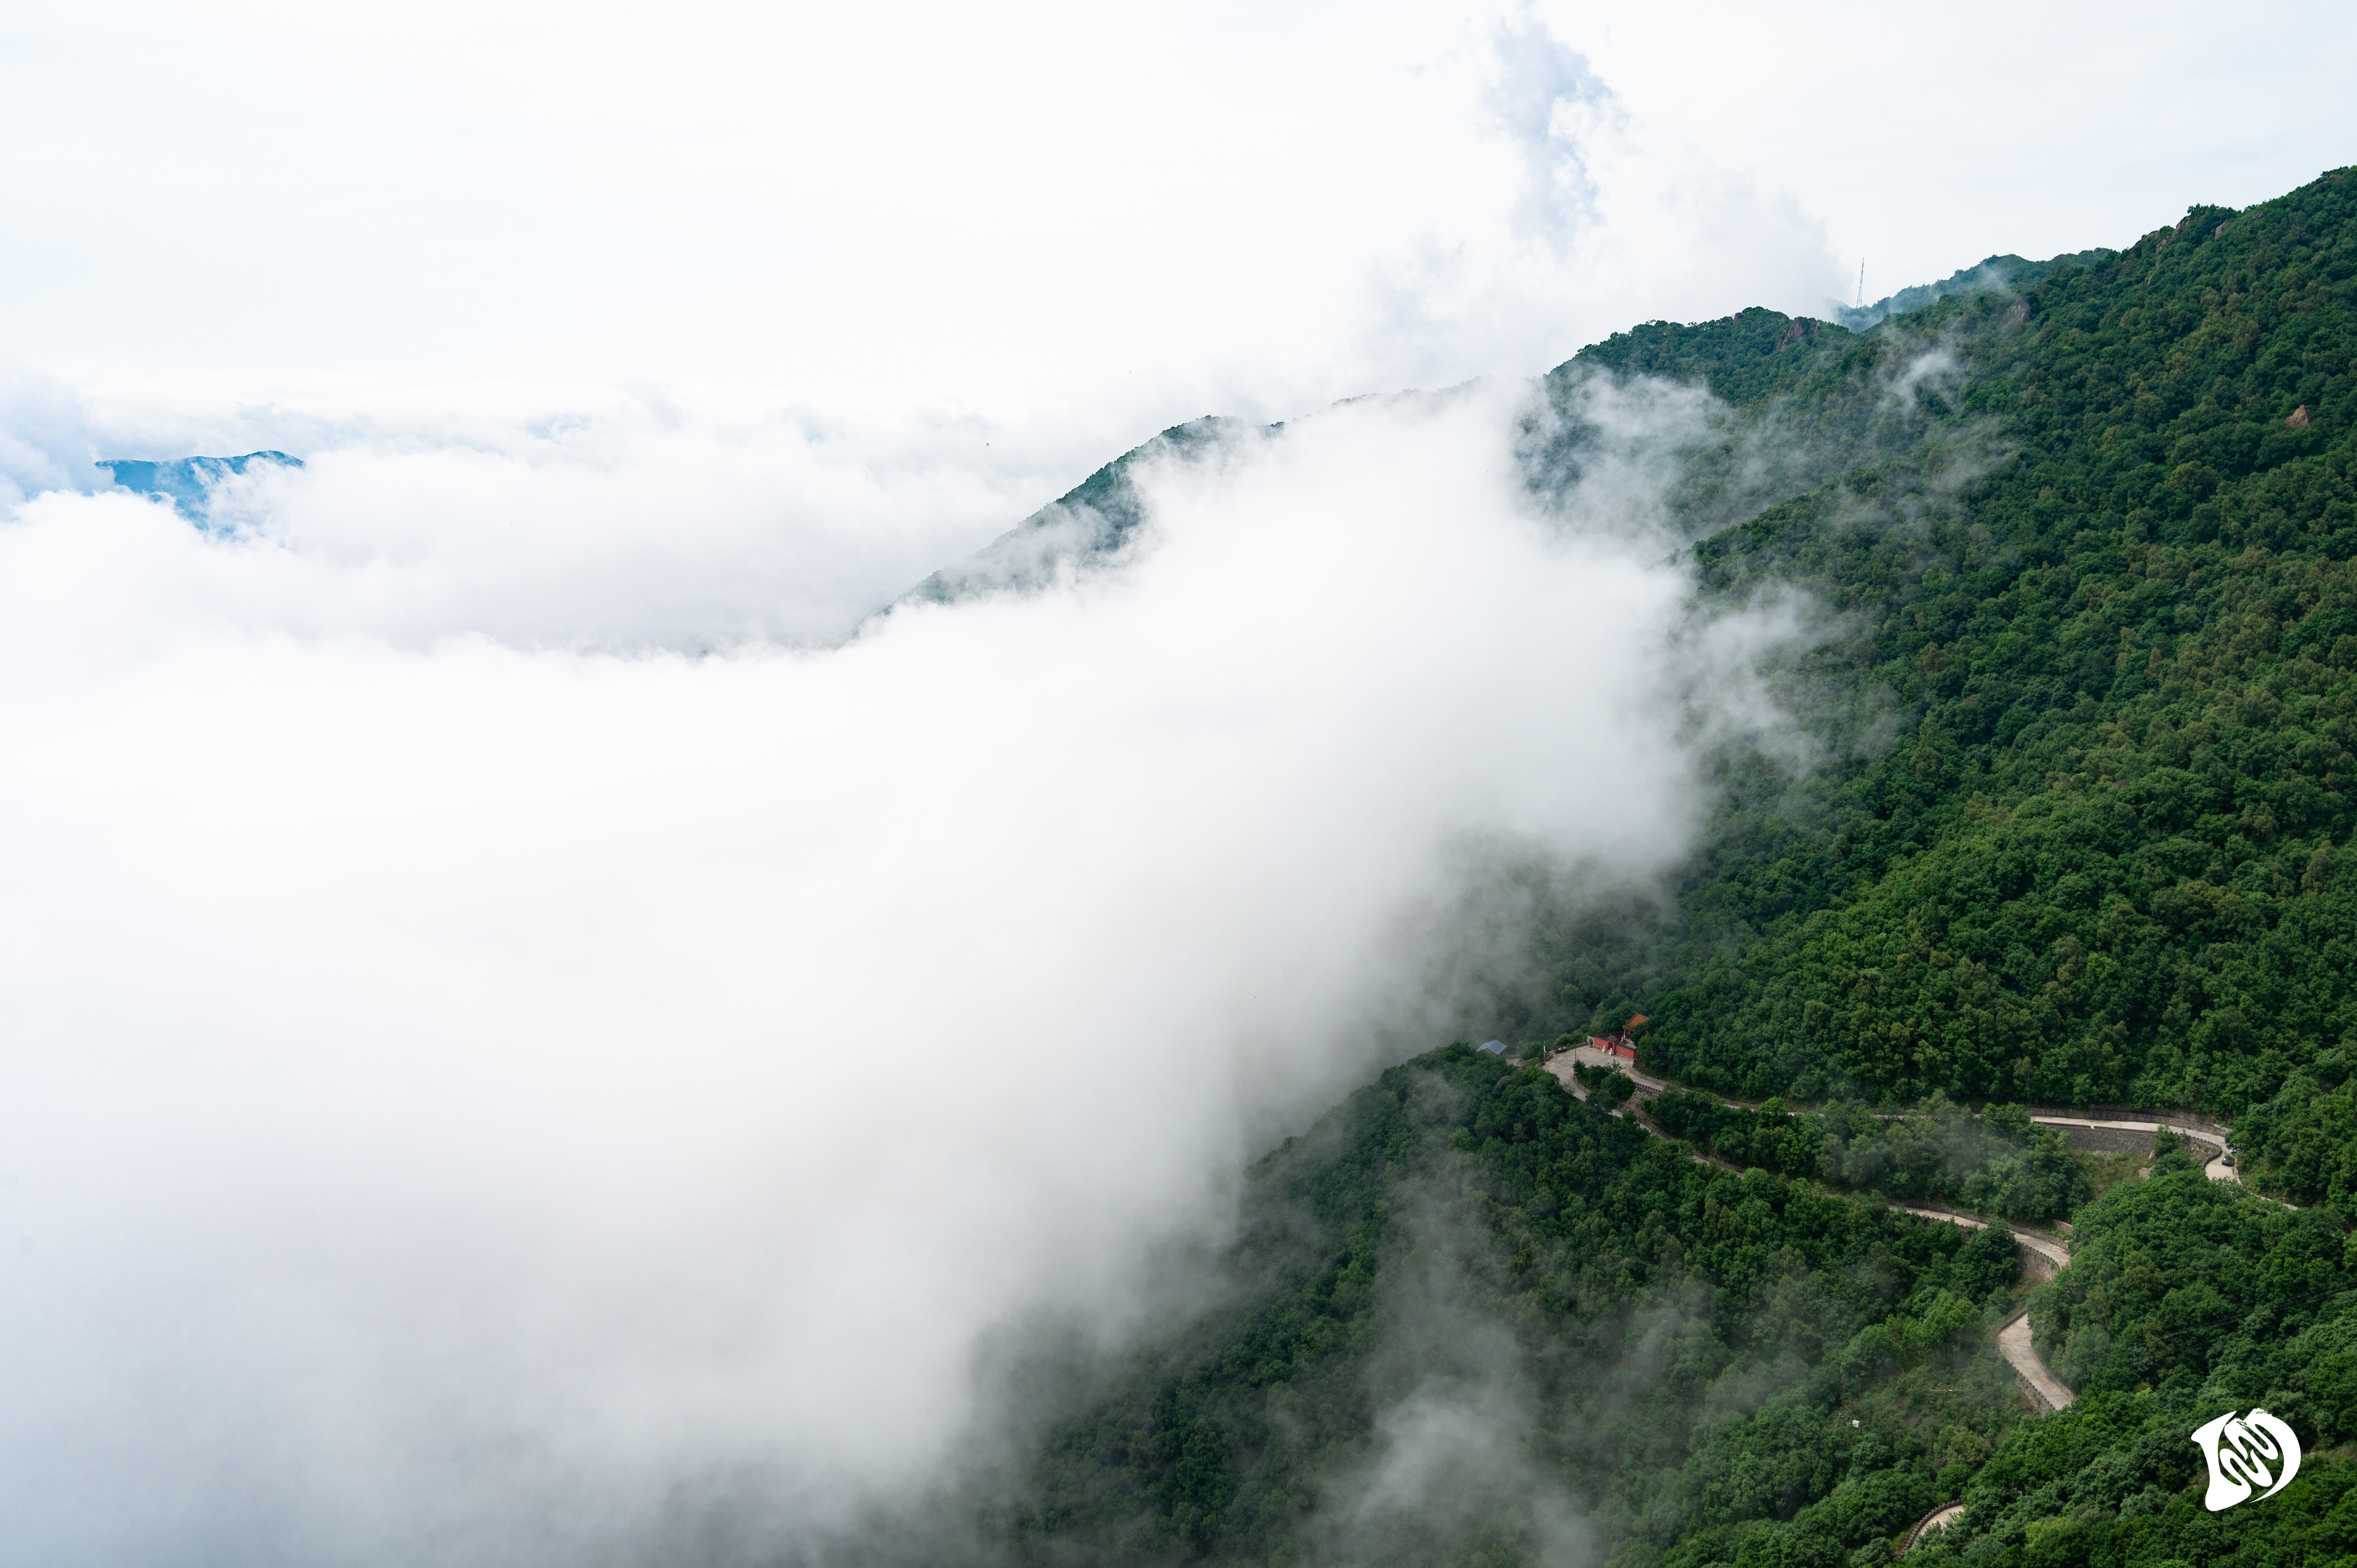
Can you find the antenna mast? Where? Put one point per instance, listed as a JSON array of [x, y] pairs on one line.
[[1861, 282]]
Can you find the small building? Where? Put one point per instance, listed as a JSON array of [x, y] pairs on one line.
[[1622, 1041], [1616, 1044], [1493, 1047]]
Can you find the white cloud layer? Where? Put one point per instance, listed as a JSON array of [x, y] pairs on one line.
[[463, 1093], [620, 520], [1047, 206], [1054, 208]]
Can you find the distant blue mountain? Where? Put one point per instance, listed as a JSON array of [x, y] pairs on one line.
[[190, 481]]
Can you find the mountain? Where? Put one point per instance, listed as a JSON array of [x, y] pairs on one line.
[[1998, 275], [1478, 1322], [2111, 595], [1742, 358], [1084, 527], [2079, 835], [187, 482]]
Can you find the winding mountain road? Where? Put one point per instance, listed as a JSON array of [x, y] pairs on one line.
[[2217, 1167], [2013, 1344], [2044, 1254], [2046, 1247], [1938, 1518]]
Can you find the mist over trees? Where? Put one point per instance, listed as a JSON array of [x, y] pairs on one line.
[[2087, 722], [2074, 829], [1999, 1163], [1488, 1322]]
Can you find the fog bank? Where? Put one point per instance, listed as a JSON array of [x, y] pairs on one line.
[[477, 1087]]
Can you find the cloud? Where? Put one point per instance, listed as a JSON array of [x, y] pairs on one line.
[[1547, 100], [1455, 1470], [1603, 221], [1183, 216], [618, 521], [1935, 368], [45, 444], [473, 1095]]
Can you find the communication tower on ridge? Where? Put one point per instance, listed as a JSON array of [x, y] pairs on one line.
[[1861, 282]]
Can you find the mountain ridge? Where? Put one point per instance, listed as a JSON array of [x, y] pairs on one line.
[[2096, 583], [1094, 520], [188, 482]]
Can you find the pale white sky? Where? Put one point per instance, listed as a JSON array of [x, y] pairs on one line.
[[1035, 209]]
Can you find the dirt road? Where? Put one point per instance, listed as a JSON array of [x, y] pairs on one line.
[[2013, 1344], [2051, 1253], [2216, 1168], [2053, 1250], [1938, 1518]]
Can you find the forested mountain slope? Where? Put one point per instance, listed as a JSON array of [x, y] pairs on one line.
[[1486, 1323], [2077, 833], [2107, 601], [1088, 524], [2087, 731], [1479, 1323], [1997, 273]]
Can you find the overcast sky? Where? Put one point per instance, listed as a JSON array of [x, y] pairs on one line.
[[1042, 207]]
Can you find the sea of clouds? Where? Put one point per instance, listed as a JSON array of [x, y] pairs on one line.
[[528, 1002], [548, 1018], [544, 1021]]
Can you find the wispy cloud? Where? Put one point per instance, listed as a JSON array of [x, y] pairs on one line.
[[467, 1091], [1550, 104]]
